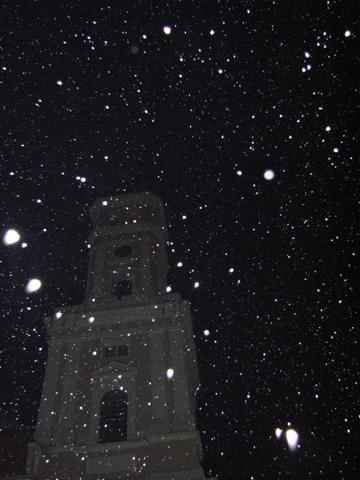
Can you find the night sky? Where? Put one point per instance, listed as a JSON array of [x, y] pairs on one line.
[[242, 117]]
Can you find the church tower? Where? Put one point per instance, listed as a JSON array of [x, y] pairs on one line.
[[118, 399]]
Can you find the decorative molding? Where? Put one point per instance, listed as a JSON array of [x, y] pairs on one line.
[[194, 474], [113, 368], [75, 319], [18, 477], [174, 436], [109, 463], [100, 448], [105, 448]]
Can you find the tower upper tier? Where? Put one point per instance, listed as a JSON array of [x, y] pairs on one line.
[[128, 259]]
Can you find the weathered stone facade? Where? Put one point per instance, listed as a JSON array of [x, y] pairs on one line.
[[125, 337]]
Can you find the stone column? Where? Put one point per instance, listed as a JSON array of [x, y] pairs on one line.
[[47, 405], [183, 419], [101, 288], [96, 393], [33, 460], [65, 431], [159, 408], [142, 269]]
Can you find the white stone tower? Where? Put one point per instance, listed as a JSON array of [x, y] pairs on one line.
[[118, 400]]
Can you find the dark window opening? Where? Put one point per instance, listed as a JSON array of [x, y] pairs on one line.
[[124, 287], [112, 351], [122, 251], [123, 351], [113, 417]]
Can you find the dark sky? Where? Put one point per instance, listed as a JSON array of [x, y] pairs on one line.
[[96, 99]]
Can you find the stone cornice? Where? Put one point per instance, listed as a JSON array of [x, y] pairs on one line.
[[114, 368], [74, 322], [123, 446]]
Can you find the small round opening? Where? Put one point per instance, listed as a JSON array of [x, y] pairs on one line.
[[122, 251]]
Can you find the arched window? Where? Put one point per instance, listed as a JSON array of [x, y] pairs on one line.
[[113, 416]]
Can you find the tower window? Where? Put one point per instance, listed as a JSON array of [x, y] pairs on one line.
[[122, 251], [122, 350], [112, 351], [113, 416], [124, 287]]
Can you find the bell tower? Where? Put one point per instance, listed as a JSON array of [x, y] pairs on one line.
[[118, 399]]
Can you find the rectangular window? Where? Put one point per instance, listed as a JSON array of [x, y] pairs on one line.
[[123, 351], [110, 352]]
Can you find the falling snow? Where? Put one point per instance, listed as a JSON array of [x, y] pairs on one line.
[[11, 236], [269, 174], [292, 438], [243, 120], [33, 285]]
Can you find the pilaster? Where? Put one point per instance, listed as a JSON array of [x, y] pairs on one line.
[[65, 431], [42, 433], [183, 418], [159, 415]]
